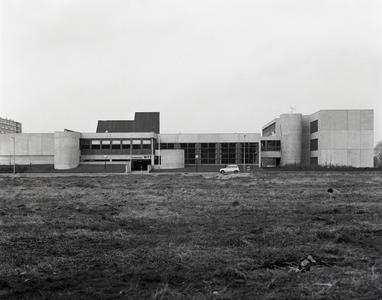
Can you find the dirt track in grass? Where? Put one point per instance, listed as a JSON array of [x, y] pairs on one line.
[[190, 236]]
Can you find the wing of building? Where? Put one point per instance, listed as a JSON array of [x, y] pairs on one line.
[[327, 137]]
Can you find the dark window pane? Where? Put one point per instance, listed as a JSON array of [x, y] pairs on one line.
[[314, 126], [314, 160], [314, 145]]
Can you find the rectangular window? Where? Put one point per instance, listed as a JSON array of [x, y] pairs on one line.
[[249, 153], [85, 144], [314, 145], [228, 153], [270, 130], [314, 126], [208, 153], [125, 144], [270, 145], [314, 161], [146, 144], [96, 144], [105, 144], [189, 152], [137, 144], [115, 144], [167, 146]]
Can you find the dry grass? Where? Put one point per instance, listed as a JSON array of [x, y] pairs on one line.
[[191, 236]]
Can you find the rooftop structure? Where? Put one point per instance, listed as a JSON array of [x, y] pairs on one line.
[[143, 122]]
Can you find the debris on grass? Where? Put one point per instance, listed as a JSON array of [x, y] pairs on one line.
[[333, 193]]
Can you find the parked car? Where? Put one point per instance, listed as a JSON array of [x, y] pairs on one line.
[[230, 169]]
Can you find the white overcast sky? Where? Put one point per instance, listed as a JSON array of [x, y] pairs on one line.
[[206, 66]]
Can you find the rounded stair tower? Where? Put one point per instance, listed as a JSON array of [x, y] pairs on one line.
[[291, 139]]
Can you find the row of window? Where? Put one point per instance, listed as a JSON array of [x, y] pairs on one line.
[[87, 144], [10, 127], [193, 145], [270, 130], [9, 122], [9, 131], [209, 153], [270, 145], [228, 146]]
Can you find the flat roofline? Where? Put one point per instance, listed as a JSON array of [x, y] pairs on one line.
[[340, 109], [271, 138]]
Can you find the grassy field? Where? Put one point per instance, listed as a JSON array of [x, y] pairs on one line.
[[191, 236]]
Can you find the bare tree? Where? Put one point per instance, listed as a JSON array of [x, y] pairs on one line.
[[378, 155]]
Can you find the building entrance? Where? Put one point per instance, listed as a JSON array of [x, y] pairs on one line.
[[140, 164]]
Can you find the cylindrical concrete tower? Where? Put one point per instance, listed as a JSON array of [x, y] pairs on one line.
[[291, 138], [66, 150]]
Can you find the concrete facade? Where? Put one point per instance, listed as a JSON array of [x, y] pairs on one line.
[[327, 137], [342, 138], [23, 148], [291, 138], [171, 159], [345, 137], [66, 150], [210, 138]]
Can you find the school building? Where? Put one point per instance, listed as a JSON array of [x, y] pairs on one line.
[[327, 137]]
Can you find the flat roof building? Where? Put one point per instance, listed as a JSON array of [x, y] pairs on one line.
[[327, 137], [9, 126]]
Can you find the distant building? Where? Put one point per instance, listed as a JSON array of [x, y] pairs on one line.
[[9, 126], [327, 137]]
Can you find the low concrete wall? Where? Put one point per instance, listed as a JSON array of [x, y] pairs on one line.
[[171, 159], [27, 148]]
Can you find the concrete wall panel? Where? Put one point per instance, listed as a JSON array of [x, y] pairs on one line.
[[28, 144], [341, 119], [354, 139], [326, 139], [333, 157], [367, 159], [271, 154], [340, 139], [339, 157], [354, 158], [186, 138], [314, 117], [32, 145], [31, 148], [326, 120], [47, 144], [354, 119], [367, 119], [367, 139], [172, 159], [210, 138]]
